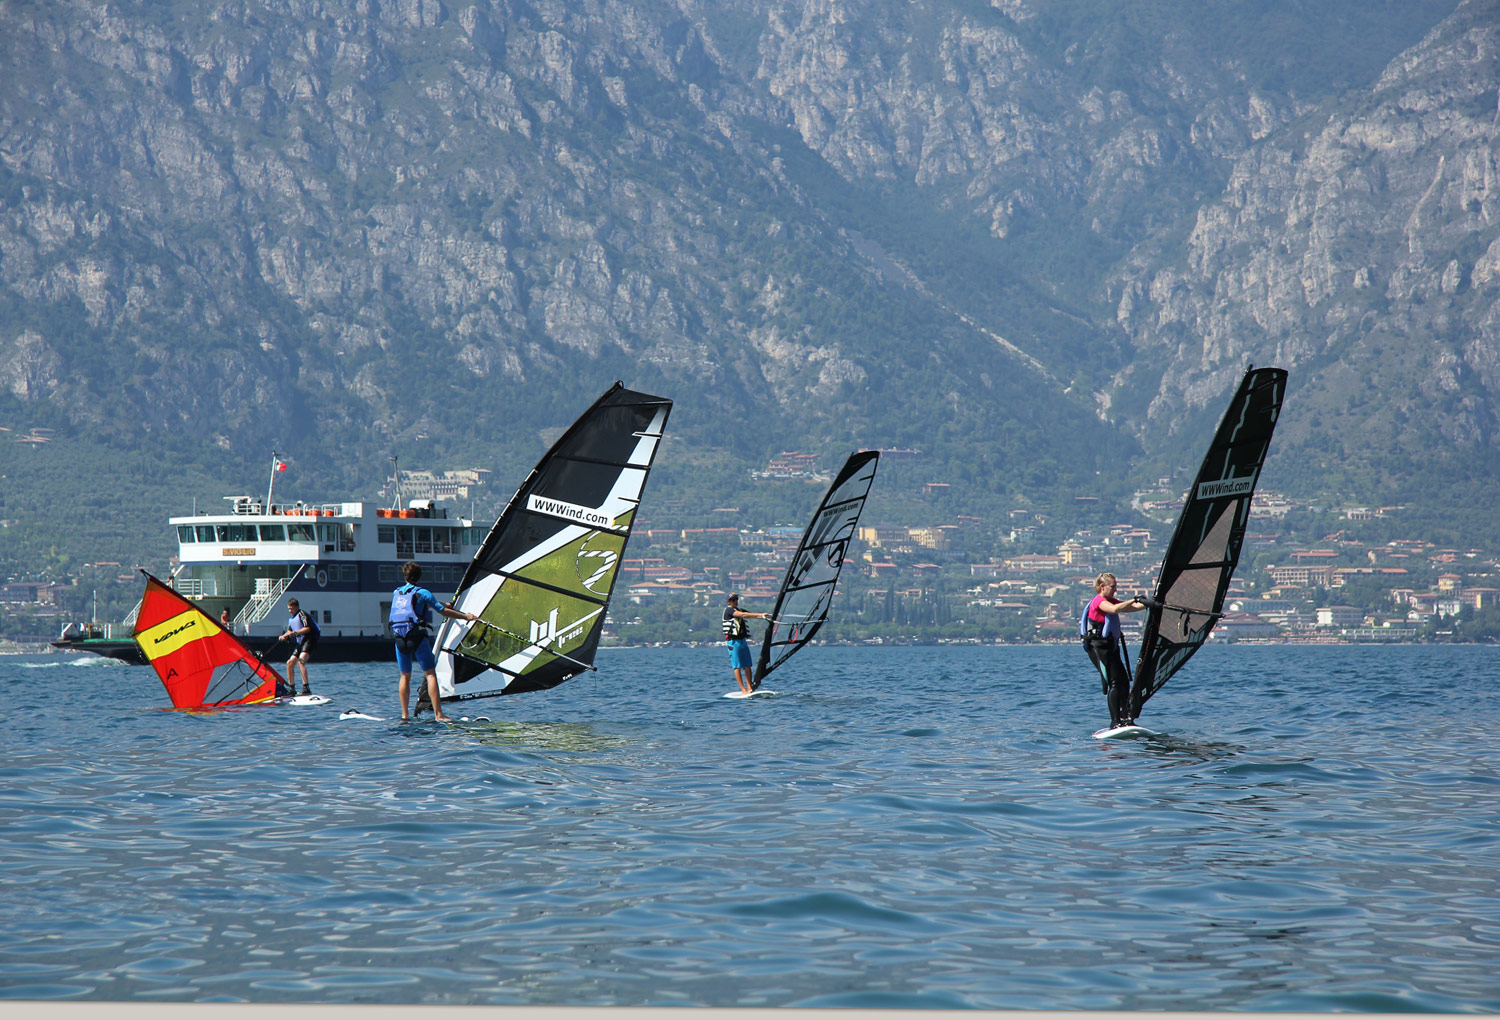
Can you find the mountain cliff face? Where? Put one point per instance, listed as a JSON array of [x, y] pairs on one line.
[[1362, 245], [995, 232]]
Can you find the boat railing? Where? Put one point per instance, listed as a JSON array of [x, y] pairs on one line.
[[309, 509], [196, 587], [249, 506], [264, 600]]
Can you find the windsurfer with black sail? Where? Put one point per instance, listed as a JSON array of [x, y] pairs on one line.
[[411, 609], [737, 638], [1104, 641]]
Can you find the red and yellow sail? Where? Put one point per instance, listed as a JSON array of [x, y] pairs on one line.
[[200, 663]]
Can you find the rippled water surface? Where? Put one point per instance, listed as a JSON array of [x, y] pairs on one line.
[[1317, 829]]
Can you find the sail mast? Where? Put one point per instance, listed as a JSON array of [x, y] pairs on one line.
[[807, 588], [199, 663], [1205, 545], [542, 579]]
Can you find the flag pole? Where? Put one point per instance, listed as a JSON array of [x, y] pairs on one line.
[[271, 485]]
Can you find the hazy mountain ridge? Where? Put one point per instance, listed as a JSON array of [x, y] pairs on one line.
[[1362, 246], [985, 230]]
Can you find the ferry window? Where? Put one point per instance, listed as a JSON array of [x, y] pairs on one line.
[[221, 532], [403, 543], [185, 533], [346, 537], [385, 533], [239, 532], [441, 540], [301, 533], [272, 533], [349, 573], [388, 573], [424, 540], [328, 616], [205, 532]]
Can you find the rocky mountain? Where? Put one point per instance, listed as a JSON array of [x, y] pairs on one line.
[[1034, 239]]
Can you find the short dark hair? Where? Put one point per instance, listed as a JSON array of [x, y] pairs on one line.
[[411, 570], [290, 604]]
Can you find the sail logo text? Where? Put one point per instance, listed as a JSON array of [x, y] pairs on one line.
[[572, 511], [543, 634], [173, 633], [1227, 487]]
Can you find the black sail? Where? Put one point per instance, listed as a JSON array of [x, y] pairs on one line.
[[1205, 545], [807, 589], [542, 579]]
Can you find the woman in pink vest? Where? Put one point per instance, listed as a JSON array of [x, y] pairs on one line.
[[1103, 640]]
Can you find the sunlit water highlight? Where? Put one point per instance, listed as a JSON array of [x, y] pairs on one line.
[[1317, 830]]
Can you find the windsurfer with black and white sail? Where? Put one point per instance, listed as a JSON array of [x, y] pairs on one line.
[[411, 609], [737, 639], [1104, 641]]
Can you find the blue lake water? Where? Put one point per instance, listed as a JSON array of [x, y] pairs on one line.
[[1317, 830]]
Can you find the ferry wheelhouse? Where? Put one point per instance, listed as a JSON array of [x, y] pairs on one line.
[[340, 561]]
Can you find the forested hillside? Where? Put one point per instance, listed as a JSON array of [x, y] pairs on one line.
[[1035, 240]]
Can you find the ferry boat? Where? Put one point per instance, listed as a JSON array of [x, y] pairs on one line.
[[340, 561]]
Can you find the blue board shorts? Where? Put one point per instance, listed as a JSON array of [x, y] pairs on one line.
[[423, 656], [739, 654]]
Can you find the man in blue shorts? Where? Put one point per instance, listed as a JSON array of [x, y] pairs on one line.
[[737, 638], [410, 613]]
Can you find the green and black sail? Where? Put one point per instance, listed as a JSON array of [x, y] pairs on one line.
[[807, 589], [542, 579], [1205, 545]]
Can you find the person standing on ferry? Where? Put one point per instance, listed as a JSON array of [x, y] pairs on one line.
[[1103, 640]]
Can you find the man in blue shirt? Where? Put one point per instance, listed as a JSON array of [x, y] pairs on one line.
[[411, 607]]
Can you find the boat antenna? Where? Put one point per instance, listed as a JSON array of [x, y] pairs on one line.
[[396, 496]]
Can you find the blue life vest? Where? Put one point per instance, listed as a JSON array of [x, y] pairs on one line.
[[1088, 628], [304, 619], [404, 618]]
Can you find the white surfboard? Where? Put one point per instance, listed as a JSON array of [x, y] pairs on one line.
[[354, 713], [762, 693], [1124, 733], [303, 699]]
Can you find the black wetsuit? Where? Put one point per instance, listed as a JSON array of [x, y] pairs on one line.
[[1105, 646]]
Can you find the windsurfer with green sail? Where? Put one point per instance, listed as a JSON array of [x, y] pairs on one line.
[[411, 608]]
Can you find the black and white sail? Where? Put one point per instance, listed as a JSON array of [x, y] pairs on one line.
[[807, 589], [542, 579], [1205, 545]]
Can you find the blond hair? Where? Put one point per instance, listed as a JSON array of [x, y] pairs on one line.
[[1103, 581]]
